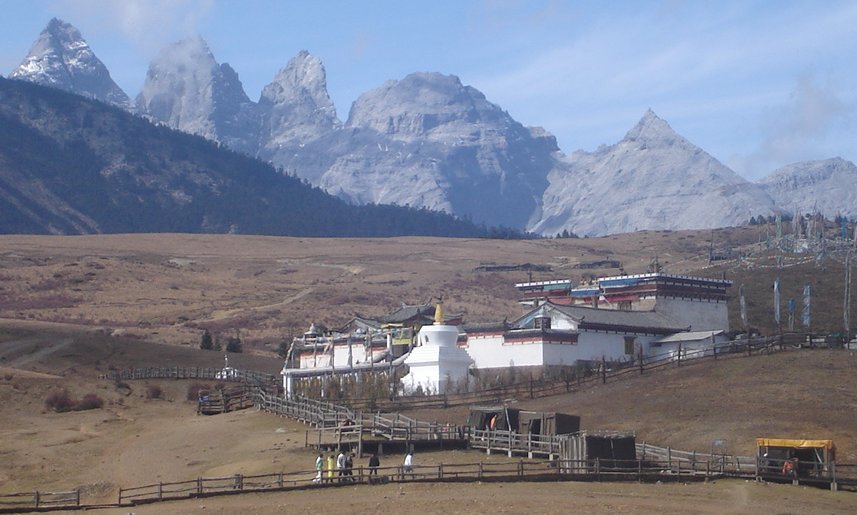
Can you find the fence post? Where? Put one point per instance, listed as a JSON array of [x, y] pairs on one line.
[[641, 360], [510, 444], [36, 499], [119, 501], [160, 490], [77, 497], [669, 458], [480, 470], [199, 485], [521, 468], [833, 485], [678, 361], [598, 469], [603, 370], [639, 471]]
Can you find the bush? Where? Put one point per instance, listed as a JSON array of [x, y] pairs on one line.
[[60, 401], [193, 391], [154, 391], [89, 401], [206, 342], [234, 345]]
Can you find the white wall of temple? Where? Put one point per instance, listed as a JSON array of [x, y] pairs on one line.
[[700, 315], [689, 350], [491, 352]]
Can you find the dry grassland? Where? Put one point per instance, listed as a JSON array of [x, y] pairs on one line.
[[169, 287], [74, 307]]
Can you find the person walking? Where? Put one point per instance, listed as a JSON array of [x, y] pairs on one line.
[[408, 465], [340, 465], [349, 468], [331, 462], [319, 468], [374, 463]]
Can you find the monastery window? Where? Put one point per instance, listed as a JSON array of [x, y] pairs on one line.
[[629, 344]]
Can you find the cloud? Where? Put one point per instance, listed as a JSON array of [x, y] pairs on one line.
[[150, 24], [813, 124]]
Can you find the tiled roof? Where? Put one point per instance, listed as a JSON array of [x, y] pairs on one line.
[[405, 313], [690, 336]]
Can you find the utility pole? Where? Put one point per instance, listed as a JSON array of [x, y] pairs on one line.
[[846, 312]]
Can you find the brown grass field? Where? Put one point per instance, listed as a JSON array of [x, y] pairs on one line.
[[74, 307]]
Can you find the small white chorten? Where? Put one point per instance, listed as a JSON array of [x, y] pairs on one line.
[[437, 363]]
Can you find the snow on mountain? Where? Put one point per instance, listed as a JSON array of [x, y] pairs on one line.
[[62, 59], [651, 179], [187, 89], [296, 107], [430, 141], [828, 186]]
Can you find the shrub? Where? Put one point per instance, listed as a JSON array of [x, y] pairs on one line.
[[89, 401], [234, 345], [60, 401], [193, 390], [154, 391]]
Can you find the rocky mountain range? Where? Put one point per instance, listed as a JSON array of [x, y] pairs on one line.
[[652, 179], [429, 141], [826, 186], [72, 165], [62, 59]]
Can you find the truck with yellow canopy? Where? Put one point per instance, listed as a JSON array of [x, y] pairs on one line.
[[794, 459]]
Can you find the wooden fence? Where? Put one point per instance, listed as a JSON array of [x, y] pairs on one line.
[[212, 374], [39, 500], [720, 463], [605, 372], [584, 470], [514, 443]]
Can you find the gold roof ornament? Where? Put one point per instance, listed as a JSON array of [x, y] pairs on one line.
[[438, 313]]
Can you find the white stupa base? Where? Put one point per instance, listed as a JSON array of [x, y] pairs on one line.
[[438, 365]]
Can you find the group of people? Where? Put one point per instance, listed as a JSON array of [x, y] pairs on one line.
[[341, 467]]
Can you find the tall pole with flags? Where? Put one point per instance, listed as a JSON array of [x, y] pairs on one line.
[[846, 311], [807, 313], [777, 303]]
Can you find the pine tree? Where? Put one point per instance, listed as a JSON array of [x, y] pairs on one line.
[[283, 349], [206, 342], [234, 345]]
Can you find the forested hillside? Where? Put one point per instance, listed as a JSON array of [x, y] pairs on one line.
[[70, 165]]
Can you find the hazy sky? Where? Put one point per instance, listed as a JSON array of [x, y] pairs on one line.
[[756, 84]]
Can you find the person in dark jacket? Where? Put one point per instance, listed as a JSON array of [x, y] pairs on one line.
[[374, 463]]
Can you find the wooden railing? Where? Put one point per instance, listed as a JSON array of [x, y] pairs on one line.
[[512, 443], [213, 374], [521, 470], [39, 500], [720, 463], [605, 372]]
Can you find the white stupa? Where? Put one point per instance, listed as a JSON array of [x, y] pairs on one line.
[[437, 363]]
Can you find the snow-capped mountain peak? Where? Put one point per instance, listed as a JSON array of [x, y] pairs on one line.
[[62, 59], [187, 89]]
